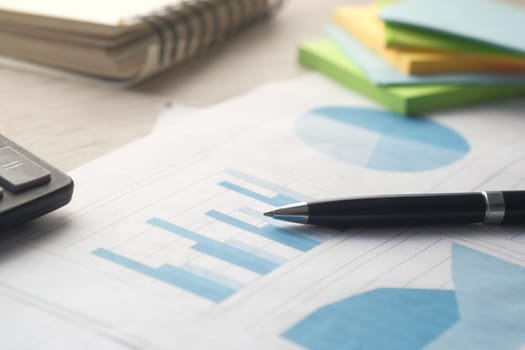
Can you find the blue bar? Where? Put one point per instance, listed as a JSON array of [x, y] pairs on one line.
[[172, 275], [194, 283], [276, 201], [179, 230], [257, 251], [276, 234], [213, 276], [237, 257], [219, 250], [264, 184]]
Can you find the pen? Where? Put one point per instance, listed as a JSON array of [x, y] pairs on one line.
[[491, 207]]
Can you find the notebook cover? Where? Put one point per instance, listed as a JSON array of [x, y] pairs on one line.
[[497, 23], [362, 21], [323, 55]]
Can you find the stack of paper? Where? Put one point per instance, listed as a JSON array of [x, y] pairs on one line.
[[413, 57]]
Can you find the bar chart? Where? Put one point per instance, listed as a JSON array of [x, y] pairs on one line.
[[206, 282]]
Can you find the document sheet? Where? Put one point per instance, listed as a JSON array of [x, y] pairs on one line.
[[165, 246]]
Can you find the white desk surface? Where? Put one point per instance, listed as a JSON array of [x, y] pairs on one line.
[[69, 122]]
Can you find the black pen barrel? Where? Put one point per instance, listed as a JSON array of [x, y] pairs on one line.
[[453, 208]]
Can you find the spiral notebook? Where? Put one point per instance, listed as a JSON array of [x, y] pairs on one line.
[[119, 40]]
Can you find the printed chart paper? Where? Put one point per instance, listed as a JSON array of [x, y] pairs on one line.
[[165, 246]]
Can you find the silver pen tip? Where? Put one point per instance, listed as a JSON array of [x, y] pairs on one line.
[[269, 213]]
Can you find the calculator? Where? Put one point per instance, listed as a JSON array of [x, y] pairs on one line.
[[29, 187]]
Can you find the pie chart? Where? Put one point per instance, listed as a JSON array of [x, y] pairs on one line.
[[380, 140]]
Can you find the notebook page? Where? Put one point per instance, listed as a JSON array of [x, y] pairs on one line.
[[164, 245], [110, 13]]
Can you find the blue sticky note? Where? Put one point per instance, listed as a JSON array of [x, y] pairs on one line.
[[381, 72], [497, 23]]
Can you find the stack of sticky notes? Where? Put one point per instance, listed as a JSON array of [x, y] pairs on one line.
[[416, 56]]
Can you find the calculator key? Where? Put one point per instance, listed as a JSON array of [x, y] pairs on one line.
[[19, 173]]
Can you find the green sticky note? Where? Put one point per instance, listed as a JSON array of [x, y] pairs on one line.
[[410, 37], [326, 57]]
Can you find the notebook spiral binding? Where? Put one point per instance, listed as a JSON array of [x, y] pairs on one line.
[[192, 27]]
